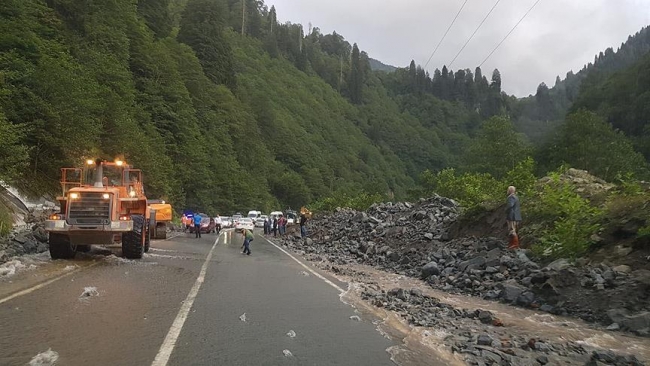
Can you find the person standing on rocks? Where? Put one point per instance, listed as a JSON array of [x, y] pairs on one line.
[[513, 217], [282, 224], [275, 226], [303, 229]]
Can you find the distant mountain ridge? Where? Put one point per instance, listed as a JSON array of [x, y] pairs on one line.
[[376, 65]]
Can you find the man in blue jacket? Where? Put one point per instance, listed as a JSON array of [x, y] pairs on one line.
[[197, 225], [513, 217]]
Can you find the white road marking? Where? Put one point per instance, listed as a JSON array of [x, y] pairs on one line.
[[306, 267], [43, 284], [169, 343]]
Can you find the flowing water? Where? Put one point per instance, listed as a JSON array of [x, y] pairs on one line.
[[422, 345]]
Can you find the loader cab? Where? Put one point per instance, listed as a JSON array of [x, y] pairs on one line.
[[113, 189]]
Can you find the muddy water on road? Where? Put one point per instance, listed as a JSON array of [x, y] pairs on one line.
[[420, 343], [419, 346]]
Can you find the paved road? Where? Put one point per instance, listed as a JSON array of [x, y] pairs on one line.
[[175, 307]]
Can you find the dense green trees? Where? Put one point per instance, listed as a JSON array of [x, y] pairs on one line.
[[201, 28], [498, 148], [225, 108], [586, 141]]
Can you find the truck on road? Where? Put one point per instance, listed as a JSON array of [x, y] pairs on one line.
[[102, 203]]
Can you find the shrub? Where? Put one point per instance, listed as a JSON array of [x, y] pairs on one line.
[[469, 189], [573, 220], [644, 232]]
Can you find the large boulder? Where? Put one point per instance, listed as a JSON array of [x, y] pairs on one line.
[[510, 290], [430, 269], [637, 323], [642, 276]]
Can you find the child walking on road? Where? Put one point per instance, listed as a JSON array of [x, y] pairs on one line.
[[248, 237]]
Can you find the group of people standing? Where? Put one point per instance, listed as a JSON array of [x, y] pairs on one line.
[[275, 224], [279, 223]]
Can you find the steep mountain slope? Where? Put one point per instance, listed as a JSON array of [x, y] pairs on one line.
[[624, 100]]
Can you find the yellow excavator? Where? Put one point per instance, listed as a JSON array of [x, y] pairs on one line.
[[161, 215], [305, 211]]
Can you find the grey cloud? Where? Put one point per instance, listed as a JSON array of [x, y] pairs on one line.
[[557, 36]]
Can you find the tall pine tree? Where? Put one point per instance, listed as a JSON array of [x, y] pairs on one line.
[[201, 28], [356, 76]]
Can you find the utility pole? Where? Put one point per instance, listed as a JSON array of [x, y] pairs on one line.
[[243, 16], [300, 38]]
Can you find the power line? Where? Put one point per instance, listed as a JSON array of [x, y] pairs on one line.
[[447, 31], [476, 30], [507, 35]]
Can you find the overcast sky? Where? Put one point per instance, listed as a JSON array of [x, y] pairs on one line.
[[557, 36]]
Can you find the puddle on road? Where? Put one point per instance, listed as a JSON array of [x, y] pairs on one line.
[[422, 345]]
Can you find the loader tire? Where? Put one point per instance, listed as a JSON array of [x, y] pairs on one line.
[[147, 239], [60, 246], [133, 241], [83, 248], [161, 232]]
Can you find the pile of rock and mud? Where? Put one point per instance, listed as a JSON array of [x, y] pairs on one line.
[[29, 238], [414, 240], [481, 337]]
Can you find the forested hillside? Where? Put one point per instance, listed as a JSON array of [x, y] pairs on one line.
[[224, 115]]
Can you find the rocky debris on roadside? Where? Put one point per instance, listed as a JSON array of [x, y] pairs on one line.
[[26, 239], [412, 240], [477, 334]]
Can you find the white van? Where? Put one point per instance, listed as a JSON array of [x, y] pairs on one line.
[[275, 214], [254, 214]]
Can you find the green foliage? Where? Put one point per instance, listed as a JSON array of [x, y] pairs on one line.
[[13, 154], [473, 190], [221, 121], [644, 232], [469, 189], [627, 185], [586, 141], [498, 148], [202, 26], [359, 201], [572, 221], [522, 176]]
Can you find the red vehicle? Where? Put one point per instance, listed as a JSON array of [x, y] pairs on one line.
[[207, 225]]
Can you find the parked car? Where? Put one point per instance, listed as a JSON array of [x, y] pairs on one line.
[[259, 222], [244, 223], [226, 222], [292, 217], [254, 214], [275, 214], [235, 218], [207, 224]]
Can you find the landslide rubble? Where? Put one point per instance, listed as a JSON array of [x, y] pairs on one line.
[[413, 240], [481, 338], [26, 239]]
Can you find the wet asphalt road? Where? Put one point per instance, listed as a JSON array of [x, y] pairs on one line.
[[138, 301]]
